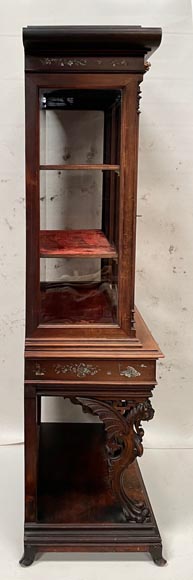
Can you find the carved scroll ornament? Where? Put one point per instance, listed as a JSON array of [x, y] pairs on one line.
[[124, 434]]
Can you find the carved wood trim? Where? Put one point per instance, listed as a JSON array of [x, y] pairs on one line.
[[139, 92], [124, 435], [78, 369], [147, 65], [85, 63]]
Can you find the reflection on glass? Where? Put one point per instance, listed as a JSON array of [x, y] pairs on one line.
[[78, 291]]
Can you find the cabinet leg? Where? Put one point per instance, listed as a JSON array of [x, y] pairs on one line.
[[31, 451], [28, 556], [156, 554]]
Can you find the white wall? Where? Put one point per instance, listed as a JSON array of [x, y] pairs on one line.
[[165, 240]]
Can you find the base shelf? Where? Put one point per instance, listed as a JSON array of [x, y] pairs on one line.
[[73, 485], [76, 509], [73, 476]]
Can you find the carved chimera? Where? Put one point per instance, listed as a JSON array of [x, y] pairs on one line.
[[124, 435]]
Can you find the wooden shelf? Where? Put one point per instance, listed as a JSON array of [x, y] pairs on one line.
[[75, 244], [87, 167]]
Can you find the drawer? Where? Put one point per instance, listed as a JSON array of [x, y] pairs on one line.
[[91, 371]]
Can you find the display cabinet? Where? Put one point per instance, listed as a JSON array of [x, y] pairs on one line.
[[85, 340]]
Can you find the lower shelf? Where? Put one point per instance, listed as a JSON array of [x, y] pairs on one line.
[[76, 508], [73, 476], [77, 304]]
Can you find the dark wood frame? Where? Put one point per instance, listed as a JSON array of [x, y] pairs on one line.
[[127, 214]]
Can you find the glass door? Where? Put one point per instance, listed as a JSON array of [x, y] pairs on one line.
[[79, 206]]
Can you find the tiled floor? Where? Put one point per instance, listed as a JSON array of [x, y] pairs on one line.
[[168, 475]]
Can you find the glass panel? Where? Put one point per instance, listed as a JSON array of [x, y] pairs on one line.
[[78, 291], [79, 206], [72, 125], [70, 199], [71, 137]]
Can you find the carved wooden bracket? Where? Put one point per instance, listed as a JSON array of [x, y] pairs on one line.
[[124, 434], [147, 65], [138, 99]]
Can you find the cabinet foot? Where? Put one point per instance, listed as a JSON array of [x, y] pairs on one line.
[[156, 554], [28, 556]]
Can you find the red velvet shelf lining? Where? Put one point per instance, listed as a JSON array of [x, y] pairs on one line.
[[75, 244], [77, 305]]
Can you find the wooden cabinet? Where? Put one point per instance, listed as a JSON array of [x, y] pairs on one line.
[[85, 340]]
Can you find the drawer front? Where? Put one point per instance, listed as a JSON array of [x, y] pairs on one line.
[[91, 371]]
